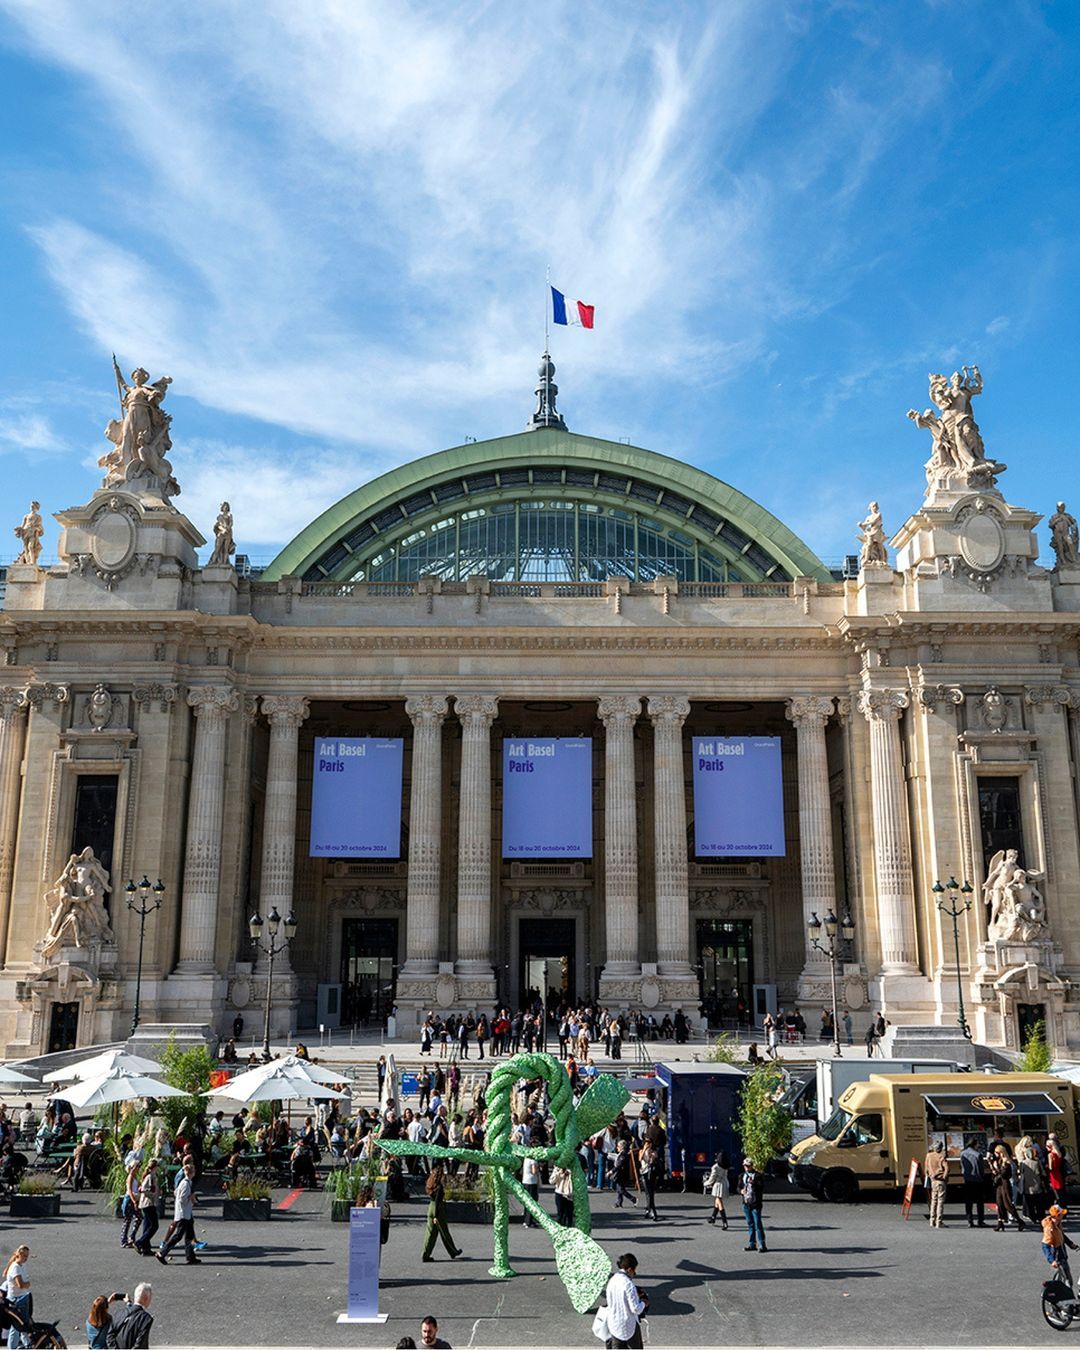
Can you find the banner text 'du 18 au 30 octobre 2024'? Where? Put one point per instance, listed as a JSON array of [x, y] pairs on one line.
[[356, 797], [547, 798], [738, 797]]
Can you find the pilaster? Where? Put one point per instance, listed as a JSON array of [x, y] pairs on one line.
[[622, 970]]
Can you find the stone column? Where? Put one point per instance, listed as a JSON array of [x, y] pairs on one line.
[[809, 713], [477, 712], [668, 713], [427, 712], [13, 707], [285, 713], [618, 714], [212, 706], [892, 845]]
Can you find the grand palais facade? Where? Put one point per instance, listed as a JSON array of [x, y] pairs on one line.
[[159, 717]]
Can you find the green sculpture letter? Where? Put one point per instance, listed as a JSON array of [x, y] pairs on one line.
[[582, 1264]]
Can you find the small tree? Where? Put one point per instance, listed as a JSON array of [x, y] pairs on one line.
[[764, 1125], [1036, 1056], [726, 1050], [189, 1070]]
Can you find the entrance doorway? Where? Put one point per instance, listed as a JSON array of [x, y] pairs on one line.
[[368, 969], [63, 1027], [546, 947], [1028, 1016], [726, 965]]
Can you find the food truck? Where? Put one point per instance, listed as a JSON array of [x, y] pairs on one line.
[[879, 1127]]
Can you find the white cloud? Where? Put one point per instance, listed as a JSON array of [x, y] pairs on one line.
[[27, 431]]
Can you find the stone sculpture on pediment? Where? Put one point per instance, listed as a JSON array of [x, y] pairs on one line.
[[871, 536], [140, 437], [77, 914], [29, 533], [1017, 910], [1064, 538], [224, 544], [958, 460]]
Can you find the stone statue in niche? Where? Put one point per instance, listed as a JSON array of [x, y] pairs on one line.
[[995, 709], [872, 537], [140, 437], [1064, 538], [99, 708], [77, 913], [224, 544], [1017, 908], [958, 460], [29, 533]]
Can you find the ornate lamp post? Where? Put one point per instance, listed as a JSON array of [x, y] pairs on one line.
[[150, 898], [846, 927], [271, 947], [952, 886]]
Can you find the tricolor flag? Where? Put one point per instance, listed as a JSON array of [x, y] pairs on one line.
[[574, 313]]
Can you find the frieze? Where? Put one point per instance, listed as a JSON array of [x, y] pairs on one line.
[[547, 901], [371, 898], [726, 899]]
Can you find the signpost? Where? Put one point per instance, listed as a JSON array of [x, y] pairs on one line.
[[364, 1251], [909, 1189]]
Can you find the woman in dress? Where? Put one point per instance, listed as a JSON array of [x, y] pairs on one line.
[[716, 1185]]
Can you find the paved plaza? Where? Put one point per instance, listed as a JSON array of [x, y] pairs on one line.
[[847, 1276]]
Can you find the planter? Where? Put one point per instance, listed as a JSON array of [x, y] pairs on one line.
[[35, 1206], [469, 1211], [246, 1210], [339, 1211]]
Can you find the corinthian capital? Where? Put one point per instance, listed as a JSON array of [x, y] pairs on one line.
[[285, 710], [12, 702], [427, 709], [809, 710], [668, 709], [618, 708], [213, 701], [882, 705], [476, 707]]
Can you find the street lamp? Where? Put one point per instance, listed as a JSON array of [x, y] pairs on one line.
[[150, 898], [271, 947], [966, 890], [831, 926]]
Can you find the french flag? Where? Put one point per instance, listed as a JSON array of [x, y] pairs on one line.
[[574, 313]]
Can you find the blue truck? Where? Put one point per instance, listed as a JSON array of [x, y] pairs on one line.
[[698, 1105]]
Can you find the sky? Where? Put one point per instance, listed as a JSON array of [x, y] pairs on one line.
[[330, 222]]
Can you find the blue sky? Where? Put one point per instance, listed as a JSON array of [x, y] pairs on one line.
[[329, 223]]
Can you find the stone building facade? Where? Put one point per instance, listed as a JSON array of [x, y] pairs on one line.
[[163, 715]]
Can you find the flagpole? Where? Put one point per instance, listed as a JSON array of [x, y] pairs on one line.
[[547, 301]]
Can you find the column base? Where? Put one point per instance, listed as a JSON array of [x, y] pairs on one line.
[[903, 996], [815, 988], [415, 996], [678, 991], [195, 996], [621, 985]]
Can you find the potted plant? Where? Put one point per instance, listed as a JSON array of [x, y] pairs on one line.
[[36, 1197], [345, 1184], [246, 1198], [469, 1202]]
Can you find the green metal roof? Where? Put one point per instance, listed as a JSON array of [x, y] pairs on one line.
[[321, 549]]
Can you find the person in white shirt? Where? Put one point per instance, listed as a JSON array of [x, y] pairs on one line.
[[16, 1286], [530, 1180], [626, 1305], [183, 1224]]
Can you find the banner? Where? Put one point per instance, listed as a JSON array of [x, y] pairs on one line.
[[356, 797], [547, 798], [738, 797]]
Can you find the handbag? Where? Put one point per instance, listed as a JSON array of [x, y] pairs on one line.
[[600, 1325]]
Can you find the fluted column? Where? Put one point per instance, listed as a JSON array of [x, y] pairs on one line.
[[892, 846], [212, 706], [13, 707], [668, 713], [427, 712], [286, 714], [809, 713], [476, 712], [618, 714]]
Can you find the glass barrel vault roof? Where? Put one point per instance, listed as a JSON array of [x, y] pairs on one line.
[[546, 505]]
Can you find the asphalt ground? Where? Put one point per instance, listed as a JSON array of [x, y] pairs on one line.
[[833, 1275]]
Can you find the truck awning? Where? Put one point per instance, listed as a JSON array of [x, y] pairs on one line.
[[994, 1104]]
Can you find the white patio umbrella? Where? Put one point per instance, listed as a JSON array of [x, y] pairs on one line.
[[14, 1076], [100, 1064], [118, 1085], [390, 1082], [278, 1085], [315, 1072]]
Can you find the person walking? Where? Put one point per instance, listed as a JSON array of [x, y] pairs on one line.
[[623, 1174], [183, 1224], [562, 1179], [626, 1305], [132, 1326], [530, 1181], [1001, 1170], [716, 1185], [16, 1287], [936, 1171], [768, 1026], [1055, 1241], [974, 1176], [846, 1023], [436, 1216], [649, 1168], [871, 1039], [752, 1191], [129, 1206], [149, 1190], [1056, 1168]]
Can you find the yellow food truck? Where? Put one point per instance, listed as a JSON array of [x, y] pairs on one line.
[[879, 1126]]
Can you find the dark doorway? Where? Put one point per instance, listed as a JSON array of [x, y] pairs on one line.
[[1028, 1015], [547, 949], [368, 969], [94, 823], [63, 1027], [726, 964]]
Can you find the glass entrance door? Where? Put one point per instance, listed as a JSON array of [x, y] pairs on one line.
[[368, 969], [726, 969]]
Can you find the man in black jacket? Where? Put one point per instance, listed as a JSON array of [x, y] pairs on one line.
[[752, 1190], [132, 1326]]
